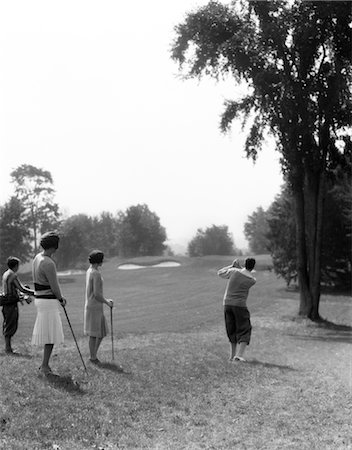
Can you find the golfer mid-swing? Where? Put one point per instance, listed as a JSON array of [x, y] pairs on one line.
[[237, 317]]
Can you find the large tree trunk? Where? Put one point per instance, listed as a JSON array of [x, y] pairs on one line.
[[318, 248], [309, 224], [313, 194], [303, 279]]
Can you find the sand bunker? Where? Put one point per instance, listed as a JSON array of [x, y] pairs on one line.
[[137, 266], [66, 273]]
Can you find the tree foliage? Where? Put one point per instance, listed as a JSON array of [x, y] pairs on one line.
[[336, 247], [214, 240], [134, 232], [34, 189], [141, 232], [255, 230], [337, 242], [80, 234], [282, 235], [295, 59], [14, 235], [76, 233]]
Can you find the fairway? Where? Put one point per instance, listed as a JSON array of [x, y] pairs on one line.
[[152, 299]]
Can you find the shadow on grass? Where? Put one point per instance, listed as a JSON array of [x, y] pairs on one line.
[[255, 362], [113, 367], [65, 383], [326, 331], [17, 355], [323, 323], [341, 338]]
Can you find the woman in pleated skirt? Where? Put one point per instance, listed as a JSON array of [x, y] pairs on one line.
[[47, 330], [48, 325]]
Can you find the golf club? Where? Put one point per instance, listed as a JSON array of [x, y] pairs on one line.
[[112, 334], [74, 337]]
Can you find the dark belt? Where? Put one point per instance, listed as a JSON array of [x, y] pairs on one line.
[[42, 287]]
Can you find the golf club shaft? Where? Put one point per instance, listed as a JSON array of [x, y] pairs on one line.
[[74, 337], [112, 334]]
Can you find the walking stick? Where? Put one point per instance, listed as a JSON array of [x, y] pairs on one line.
[[112, 334], [74, 337]]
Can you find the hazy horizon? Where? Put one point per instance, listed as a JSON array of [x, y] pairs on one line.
[[90, 93]]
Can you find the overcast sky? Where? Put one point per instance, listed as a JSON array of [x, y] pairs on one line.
[[88, 92]]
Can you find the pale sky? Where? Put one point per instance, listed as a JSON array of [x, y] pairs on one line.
[[88, 91]]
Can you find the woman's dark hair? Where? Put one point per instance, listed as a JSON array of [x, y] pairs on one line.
[[249, 263], [96, 257], [50, 240], [12, 262]]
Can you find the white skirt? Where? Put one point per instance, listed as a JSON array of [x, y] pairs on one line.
[[48, 325]]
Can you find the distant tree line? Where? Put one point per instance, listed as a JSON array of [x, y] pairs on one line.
[[32, 211], [137, 230], [134, 232]]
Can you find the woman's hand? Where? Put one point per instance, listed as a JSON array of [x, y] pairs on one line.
[[110, 303], [63, 301]]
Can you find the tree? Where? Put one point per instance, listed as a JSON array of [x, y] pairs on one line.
[[255, 230], [295, 59], [80, 234], [13, 233], [107, 228], [34, 189], [337, 244], [140, 232], [336, 247], [281, 235], [75, 241], [214, 240]]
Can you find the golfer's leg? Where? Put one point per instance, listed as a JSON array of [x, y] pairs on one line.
[[230, 325], [92, 347], [233, 350], [8, 347], [241, 349], [244, 328], [48, 348], [97, 345]]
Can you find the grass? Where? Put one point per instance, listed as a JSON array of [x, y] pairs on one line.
[[171, 386]]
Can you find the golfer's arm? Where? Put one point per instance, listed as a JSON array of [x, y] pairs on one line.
[[225, 272]]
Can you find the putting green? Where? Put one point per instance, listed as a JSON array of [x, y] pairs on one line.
[[137, 266]]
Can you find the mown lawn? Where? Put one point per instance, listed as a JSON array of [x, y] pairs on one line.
[[171, 386]]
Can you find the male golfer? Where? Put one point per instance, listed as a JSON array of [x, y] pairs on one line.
[[237, 317]]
